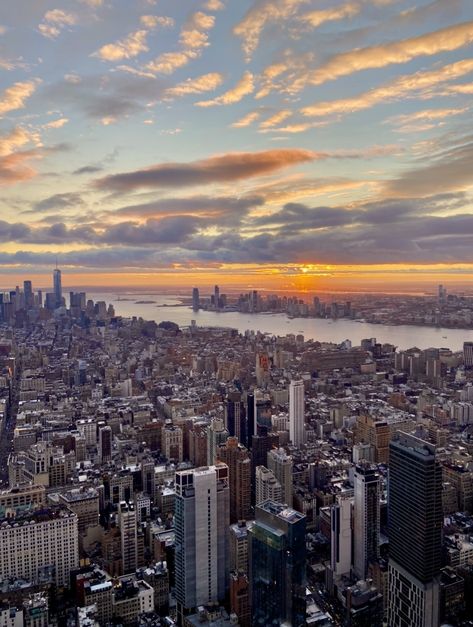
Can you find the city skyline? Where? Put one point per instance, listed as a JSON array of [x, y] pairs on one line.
[[288, 145]]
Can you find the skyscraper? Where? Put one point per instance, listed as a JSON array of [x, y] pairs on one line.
[[341, 536], [195, 299], [296, 413], [236, 456], [415, 532], [235, 416], [217, 297], [202, 516], [281, 465], [468, 354], [366, 518], [57, 287], [128, 537], [216, 435], [277, 574], [28, 294]]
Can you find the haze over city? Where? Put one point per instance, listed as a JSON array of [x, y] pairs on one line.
[[287, 145]]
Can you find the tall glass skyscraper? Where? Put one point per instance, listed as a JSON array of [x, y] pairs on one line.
[[277, 566], [415, 532]]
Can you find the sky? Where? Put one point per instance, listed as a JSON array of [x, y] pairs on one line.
[[278, 144]]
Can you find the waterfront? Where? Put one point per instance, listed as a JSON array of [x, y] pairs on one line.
[[323, 330]]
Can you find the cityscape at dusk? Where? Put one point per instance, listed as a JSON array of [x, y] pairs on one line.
[[236, 313]]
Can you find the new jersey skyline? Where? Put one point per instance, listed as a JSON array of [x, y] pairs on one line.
[[287, 144]]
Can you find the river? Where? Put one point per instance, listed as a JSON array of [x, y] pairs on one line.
[[323, 330]]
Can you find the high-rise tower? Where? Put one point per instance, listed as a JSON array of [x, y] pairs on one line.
[[415, 532], [57, 287], [366, 518], [202, 516], [296, 413], [277, 573]]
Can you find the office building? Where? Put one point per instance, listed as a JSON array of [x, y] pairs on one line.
[[296, 413], [366, 516], [415, 532], [277, 577], [105, 444], [202, 516], [216, 435], [341, 536], [128, 537], [238, 539], [263, 410], [280, 463], [237, 458], [468, 354], [267, 486], [31, 541], [235, 416]]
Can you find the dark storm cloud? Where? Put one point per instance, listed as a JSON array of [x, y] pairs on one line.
[[219, 169]]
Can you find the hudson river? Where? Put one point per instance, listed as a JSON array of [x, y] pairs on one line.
[[323, 330]]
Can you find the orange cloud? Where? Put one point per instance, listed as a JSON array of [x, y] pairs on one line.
[[246, 120], [199, 85], [244, 87], [233, 166], [276, 119], [401, 87], [344, 64], [15, 97], [127, 48], [317, 18]]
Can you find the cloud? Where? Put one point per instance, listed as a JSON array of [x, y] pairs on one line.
[[317, 18], [58, 201], [264, 12], [17, 138], [424, 120], [153, 21], [54, 21], [15, 167], [193, 38], [216, 210], [404, 86], [198, 85], [244, 87], [56, 123], [133, 45], [169, 62], [246, 120], [395, 52], [466, 89], [223, 168], [15, 97], [451, 171], [88, 169], [214, 5], [276, 119], [112, 96]]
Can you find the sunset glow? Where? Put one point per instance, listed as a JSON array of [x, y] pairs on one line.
[[290, 144]]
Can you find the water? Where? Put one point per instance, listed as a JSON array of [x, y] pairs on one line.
[[323, 330]]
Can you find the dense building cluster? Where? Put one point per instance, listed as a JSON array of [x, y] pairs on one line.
[[157, 475], [443, 309]]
